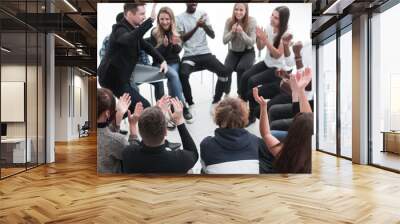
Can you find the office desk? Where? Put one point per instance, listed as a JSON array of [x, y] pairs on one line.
[[13, 150], [391, 141]]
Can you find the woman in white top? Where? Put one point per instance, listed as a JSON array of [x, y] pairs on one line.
[[264, 71]]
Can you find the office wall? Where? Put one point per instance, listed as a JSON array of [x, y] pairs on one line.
[[15, 72], [71, 102]]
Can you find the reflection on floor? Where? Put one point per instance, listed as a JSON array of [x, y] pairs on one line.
[[70, 191], [386, 159]]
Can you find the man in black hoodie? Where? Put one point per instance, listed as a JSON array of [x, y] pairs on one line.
[[126, 41]]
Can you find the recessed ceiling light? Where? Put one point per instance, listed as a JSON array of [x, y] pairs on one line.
[[70, 5], [5, 50]]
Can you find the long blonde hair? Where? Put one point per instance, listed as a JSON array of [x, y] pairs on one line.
[[159, 32], [245, 21]]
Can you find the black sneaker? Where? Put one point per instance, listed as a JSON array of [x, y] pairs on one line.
[[172, 145], [187, 115]]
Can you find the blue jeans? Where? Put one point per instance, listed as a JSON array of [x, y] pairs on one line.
[[174, 83], [280, 135]]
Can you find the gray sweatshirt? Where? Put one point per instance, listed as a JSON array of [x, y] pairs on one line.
[[239, 42], [109, 150]]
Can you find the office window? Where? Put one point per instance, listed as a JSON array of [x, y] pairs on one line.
[[327, 96], [346, 94], [385, 89], [22, 91]]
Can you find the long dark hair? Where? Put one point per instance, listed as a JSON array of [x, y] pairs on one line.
[[284, 14], [295, 156]]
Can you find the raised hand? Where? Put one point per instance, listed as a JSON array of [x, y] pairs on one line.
[[153, 14], [306, 78], [286, 39], [297, 48], [259, 99], [261, 35], [123, 103], [299, 81], [177, 116], [134, 118], [164, 103]]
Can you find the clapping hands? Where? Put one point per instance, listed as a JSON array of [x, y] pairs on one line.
[[261, 35]]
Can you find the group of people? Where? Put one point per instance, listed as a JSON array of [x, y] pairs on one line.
[[285, 147]]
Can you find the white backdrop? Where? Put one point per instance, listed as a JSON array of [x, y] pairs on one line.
[[299, 22]]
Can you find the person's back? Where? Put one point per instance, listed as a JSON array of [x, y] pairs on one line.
[[139, 158], [110, 146], [233, 150], [151, 155]]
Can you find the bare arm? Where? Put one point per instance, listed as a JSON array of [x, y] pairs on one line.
[[265, 131]]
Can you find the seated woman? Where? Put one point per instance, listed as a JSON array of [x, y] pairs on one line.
[[233, 150], [110, 144], [166, 40], [293, 155]]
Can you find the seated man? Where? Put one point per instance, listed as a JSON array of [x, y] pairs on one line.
[[150, 155], [194, 27]]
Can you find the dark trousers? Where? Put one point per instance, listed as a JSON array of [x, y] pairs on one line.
[[119, 88], [258, 74], [135, 96], [158, 89], [197, 63], [238, 62]]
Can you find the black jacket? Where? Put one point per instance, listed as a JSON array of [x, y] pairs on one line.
[[139, 158], [122, 54], [170, 52]]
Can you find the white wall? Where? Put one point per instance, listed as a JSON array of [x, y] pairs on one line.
[[68, 81], [299, 22]]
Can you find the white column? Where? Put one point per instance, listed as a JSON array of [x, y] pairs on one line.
[[360, 90]]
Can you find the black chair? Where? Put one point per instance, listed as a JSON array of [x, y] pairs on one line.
[[84, 130]]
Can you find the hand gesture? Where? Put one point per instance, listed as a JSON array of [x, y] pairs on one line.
[[123, 103], [239, 28], [261, 35], [177, 116], [234, 27], [134, 118], [297, 48], [164, 67], [299, 81], [259, 99], [175, 40], [165, 41], [286, 39], [164, 103], [153, 14], [200, 23]]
